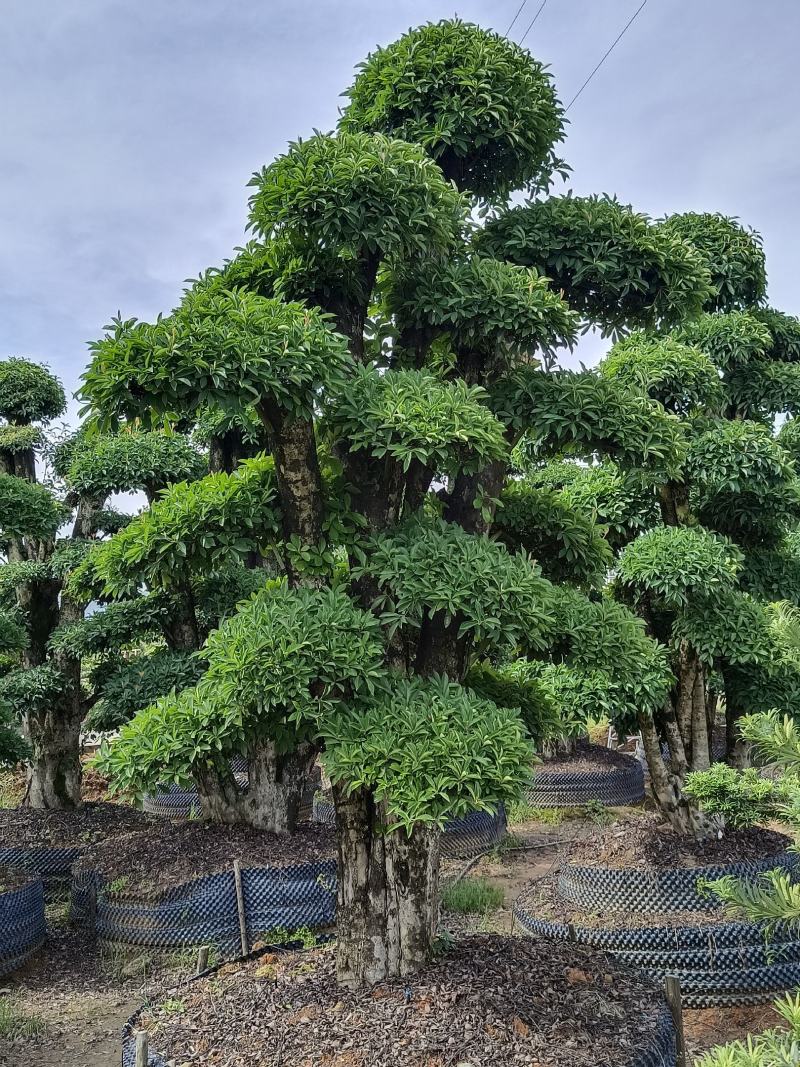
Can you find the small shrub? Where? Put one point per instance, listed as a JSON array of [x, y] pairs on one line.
[[743, 798], [471, 896]]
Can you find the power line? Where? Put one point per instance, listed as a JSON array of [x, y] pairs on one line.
[[614, 44], [520, 9], [533, 20]]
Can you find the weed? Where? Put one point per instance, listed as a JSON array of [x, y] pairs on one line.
[[472, 895], [519, 811], [171, 1006], [597, 811], [118, 884], [16, 1024]]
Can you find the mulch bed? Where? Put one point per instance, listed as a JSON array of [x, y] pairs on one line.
[[543, 901], [647, 841], [586, 759], [86, 825], [489, 1000], [10, 878], [179, 851]]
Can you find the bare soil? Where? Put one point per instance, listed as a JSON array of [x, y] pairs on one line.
[[181, 850], [86, 825], [488, 1000], [646, 841], [587, 758], [11, 878]]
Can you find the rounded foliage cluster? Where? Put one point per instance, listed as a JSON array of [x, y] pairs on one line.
[[612, 264], [29, 392], [480, 304], [226, 349], [479, 104], [622, 501], [412, 416], [765, 388], [193, 525], [785, 331], [510, 688], [582, 413], [729, 338], [675, 563], [131, 461], [487, 593], [430, 748], [733, 255], [138, 682], [680, 377], [743, 798], [565, 541], [15, 439], [27, 509], [728, 626], [357, 196], [738, 457]]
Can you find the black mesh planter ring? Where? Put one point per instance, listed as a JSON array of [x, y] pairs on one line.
[[205, 910], [672, 889], [22, 924], [51, 864], [566, 789], [706, 980], [463, 837]]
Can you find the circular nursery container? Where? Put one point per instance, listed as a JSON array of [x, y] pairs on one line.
[[591, 773], [645, 901], [22, 922]]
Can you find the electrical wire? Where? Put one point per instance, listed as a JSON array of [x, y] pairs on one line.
[[533, 20], [614, 44], [520, 9]]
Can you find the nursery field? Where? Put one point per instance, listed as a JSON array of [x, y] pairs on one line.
[[428, 703]]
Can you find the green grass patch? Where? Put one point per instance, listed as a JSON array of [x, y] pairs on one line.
[[472, 896], [16, 1023]]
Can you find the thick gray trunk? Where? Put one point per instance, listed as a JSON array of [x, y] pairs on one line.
[[54, 770], [667, 788], [273, 796], [388, 899]]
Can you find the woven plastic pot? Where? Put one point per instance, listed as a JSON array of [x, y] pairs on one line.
[[614, 786], [462, 837], [672, 889], [53, 865], [205, 910], [22, 924], [732, 963]]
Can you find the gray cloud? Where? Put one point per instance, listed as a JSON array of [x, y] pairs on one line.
[[130, 130]]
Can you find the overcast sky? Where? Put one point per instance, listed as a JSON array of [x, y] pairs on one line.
[[131, 127]]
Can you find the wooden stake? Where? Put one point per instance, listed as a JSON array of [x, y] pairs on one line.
[[142, 1049], [237, 877], [202, 959], [672, 990], [571, 935]]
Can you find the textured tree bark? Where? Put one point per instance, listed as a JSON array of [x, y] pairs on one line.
[[54, 771], [273, 795], [667, 788], [737, 751], [299, 478], [387, 907], [559, 748]]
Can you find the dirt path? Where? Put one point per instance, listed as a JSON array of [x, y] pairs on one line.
[[76, 999]]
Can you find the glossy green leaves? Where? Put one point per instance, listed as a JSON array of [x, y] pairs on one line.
[[29, 392]]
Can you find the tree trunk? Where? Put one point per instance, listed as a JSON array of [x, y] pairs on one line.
[[54, 772], [559, 748], [667, 788], [387, 907], [274, 791], [737, 751]]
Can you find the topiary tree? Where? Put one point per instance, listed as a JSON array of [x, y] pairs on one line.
[[57, 658], [401, 373]]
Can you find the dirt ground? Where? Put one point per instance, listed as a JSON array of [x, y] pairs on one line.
[[81, 997]]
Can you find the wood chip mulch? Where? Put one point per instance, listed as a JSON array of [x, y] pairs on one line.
[[493, 1000], [587, 758], [647, 841], [176, 852], [86, 825]]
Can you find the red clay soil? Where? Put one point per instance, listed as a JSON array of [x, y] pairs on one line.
[[488, 1000], [181, 850], [647, 841]]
